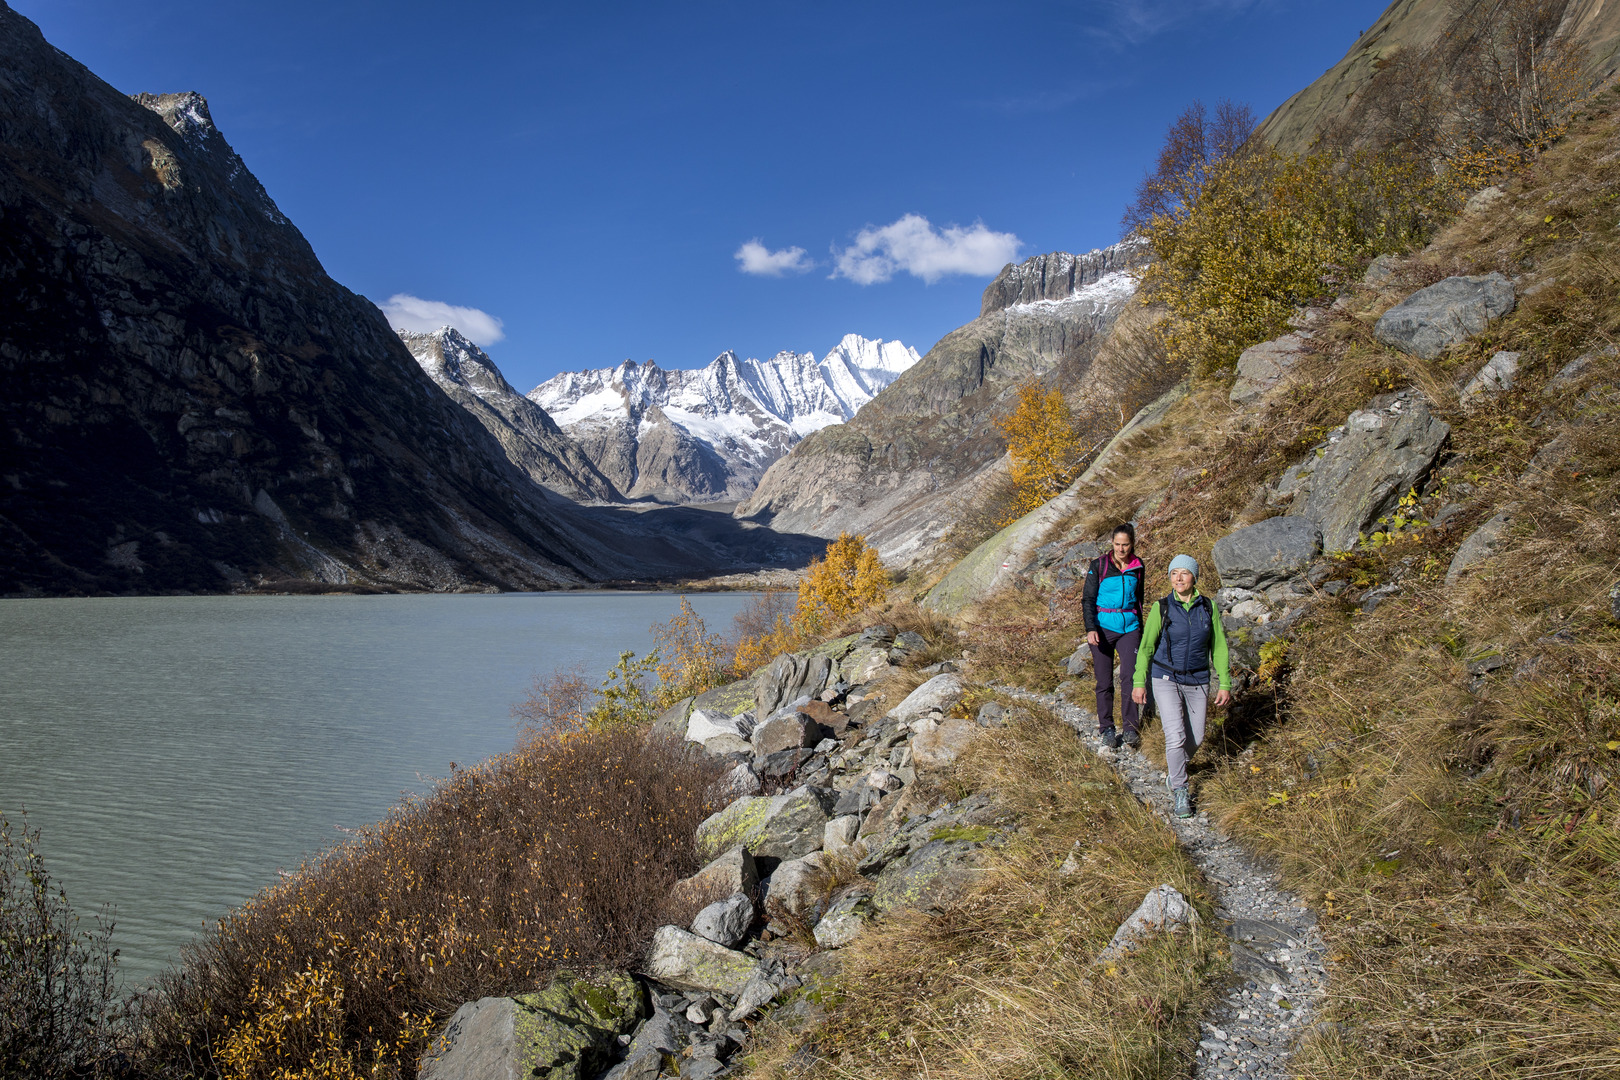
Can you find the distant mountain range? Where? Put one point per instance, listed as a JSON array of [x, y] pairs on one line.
[[708, 435]]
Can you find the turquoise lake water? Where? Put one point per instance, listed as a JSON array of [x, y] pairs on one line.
[[176, 752]]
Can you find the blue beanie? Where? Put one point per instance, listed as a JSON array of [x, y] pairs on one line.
[[1185, 562]]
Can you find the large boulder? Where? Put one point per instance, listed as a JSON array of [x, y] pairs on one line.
[[1262, 366], [787, 730], [936, 874], [789, 677], [568, 1031], [701, 726], [939, 694], [799, 886], [775, 826], [728, 700], [1368, 465], [684, 960], [1447, 312], [731, 873], [1271, 552]]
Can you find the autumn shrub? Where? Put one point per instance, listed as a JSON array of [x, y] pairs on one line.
[[57, 999], [559, 853], [690, 659], [1266, 234], [847, 580], [1045, 445]]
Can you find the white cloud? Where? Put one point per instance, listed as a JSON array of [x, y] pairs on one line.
[[1132, 22], [407, 312], [755, 258], [914, 245]]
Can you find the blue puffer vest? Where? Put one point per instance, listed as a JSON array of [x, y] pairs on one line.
[[1185, 638]]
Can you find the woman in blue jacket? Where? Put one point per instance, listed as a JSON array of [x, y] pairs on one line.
[[1113, 610]]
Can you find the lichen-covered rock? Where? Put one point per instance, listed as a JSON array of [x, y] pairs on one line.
[[728, 700], [941, 693], [682, 959], [844, 921], [935, 874], [1163, 909], [779, 827], [1266, 553], [568, 1031], [1444, 314]]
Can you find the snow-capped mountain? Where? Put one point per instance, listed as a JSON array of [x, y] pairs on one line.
[[707, 435], [530, 438]]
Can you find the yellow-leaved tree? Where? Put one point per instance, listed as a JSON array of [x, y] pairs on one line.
[[1045, 445], [850, 579]]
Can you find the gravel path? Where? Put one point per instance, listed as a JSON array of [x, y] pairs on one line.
[[1277, 950]]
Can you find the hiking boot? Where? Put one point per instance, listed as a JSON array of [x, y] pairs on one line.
[[1184, 807], [1132, 739], [1110, 739]]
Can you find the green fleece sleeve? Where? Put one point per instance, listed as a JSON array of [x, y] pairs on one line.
[[1150, 641], [1218, 650]]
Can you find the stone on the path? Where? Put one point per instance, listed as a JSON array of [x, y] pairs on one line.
[[725, 922], [1444, 314], [1480, 545], [939, 694], [1267, 553], [1379, 455], [730, 873], [1262, 366], [568, 1031], [932, 751], [1496, 376], [840, 832], [778, 827], [682, 959], [1164, 908], [799, 886], [844, 921]]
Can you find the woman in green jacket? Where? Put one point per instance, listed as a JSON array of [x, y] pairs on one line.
[[1181, 640]]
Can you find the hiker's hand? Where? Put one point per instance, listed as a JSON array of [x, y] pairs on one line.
[[1092, 638], [1139, 695], [1223, 698]]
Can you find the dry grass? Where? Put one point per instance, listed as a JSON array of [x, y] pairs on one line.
[[1002, 984], [560, 853]]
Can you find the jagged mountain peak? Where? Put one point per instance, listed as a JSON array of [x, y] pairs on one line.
[[706, 434], [187, 114], [1060, 275]]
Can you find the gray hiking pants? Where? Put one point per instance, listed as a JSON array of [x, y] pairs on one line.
[[1181, 711]]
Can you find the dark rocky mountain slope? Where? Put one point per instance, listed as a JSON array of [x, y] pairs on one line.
[[190, 403], [528, 434]]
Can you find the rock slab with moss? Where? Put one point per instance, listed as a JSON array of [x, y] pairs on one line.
[[774, 826], [568, 1031]]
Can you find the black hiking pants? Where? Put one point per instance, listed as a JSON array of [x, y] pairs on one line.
[[1103, 655]]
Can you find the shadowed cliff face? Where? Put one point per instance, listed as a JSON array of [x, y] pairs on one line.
[[191, 404], [896, 471]]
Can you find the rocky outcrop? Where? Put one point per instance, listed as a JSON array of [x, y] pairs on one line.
[[1267, 554], [897, 470], [1364, 468], [1262, 366], [192, 405], [1446, 313], [532, 440], [1058, 276]]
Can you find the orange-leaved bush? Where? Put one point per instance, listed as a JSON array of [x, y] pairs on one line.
[[849, 580], [1045, 445]]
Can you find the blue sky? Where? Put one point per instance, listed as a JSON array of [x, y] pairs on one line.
[[591, 175]]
